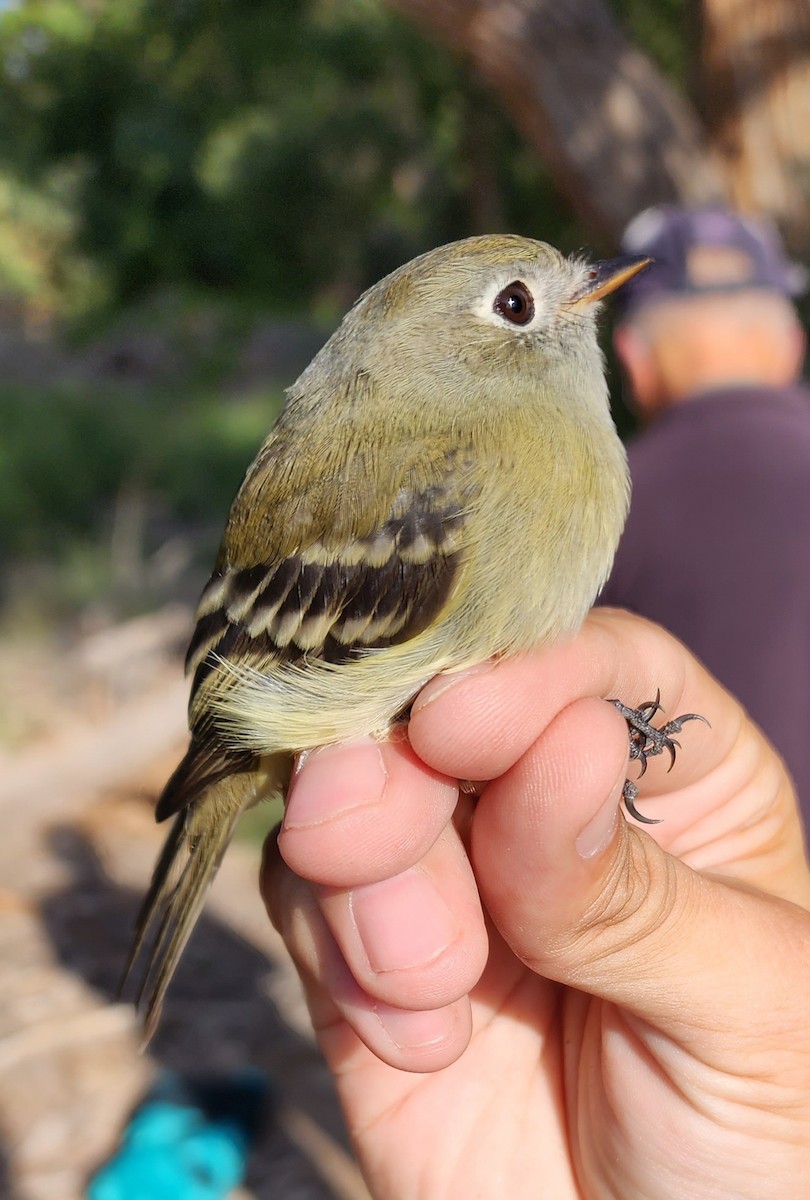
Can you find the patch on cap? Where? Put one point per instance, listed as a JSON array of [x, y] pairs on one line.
[[719, 267]]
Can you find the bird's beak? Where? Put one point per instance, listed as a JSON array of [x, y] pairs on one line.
[[606, 277]]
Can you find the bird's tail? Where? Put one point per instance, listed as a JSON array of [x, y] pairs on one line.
[[183, 873]]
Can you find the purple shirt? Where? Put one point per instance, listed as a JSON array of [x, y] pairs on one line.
[[717, 549]]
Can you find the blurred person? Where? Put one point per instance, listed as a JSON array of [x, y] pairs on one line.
[[717, 545]]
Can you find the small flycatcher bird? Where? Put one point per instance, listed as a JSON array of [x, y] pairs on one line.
[[444, 484]]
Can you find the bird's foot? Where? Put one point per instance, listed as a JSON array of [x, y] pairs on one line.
[[646, 742]]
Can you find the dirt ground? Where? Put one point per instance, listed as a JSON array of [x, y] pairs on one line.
[[94, 736]]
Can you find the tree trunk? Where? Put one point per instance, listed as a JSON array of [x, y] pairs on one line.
[[616, 136], [756, 71]]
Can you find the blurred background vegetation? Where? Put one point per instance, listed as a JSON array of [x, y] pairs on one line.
[[193, 191]]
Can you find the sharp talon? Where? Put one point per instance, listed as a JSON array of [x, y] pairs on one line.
[[676, 725], [629, 793], [650, 707]]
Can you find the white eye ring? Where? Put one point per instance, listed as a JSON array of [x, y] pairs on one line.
[[515, 304]]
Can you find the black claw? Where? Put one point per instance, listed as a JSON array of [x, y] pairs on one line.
[[677, 724], [646, 742], [629, 793], [649, 708]]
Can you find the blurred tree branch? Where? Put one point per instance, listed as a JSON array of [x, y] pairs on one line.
[[756, 79], [616, 135]]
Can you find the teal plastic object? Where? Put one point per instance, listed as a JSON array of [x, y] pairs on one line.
[[187, 1141]]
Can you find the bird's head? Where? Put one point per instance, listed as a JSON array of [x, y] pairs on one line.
[[488, 320]]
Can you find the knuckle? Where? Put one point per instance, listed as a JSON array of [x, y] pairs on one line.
[[639, 898]]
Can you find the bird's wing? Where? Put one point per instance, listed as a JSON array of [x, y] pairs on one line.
[[339, 592]]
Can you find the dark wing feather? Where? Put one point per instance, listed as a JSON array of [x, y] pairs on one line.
[[205, 763], [329, 601], [324, 556]]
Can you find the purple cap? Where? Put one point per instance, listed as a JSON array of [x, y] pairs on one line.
[[701, 250]]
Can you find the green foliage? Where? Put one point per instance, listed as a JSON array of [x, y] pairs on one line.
[[73, 461], [289, 152]]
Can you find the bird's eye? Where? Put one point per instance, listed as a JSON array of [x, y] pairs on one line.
[[515, 304]]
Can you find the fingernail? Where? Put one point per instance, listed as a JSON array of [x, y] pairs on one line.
[[410, 1030], [443, 683], [402, 922], [334, 780], [598, 833]]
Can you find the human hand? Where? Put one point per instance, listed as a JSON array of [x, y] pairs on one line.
[[528, 995]]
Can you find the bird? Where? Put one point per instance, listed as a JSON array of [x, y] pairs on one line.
[[444, 484]]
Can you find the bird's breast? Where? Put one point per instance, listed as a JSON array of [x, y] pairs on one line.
[[543, 539]]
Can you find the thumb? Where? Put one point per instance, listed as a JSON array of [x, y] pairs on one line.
[[585, 898]]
